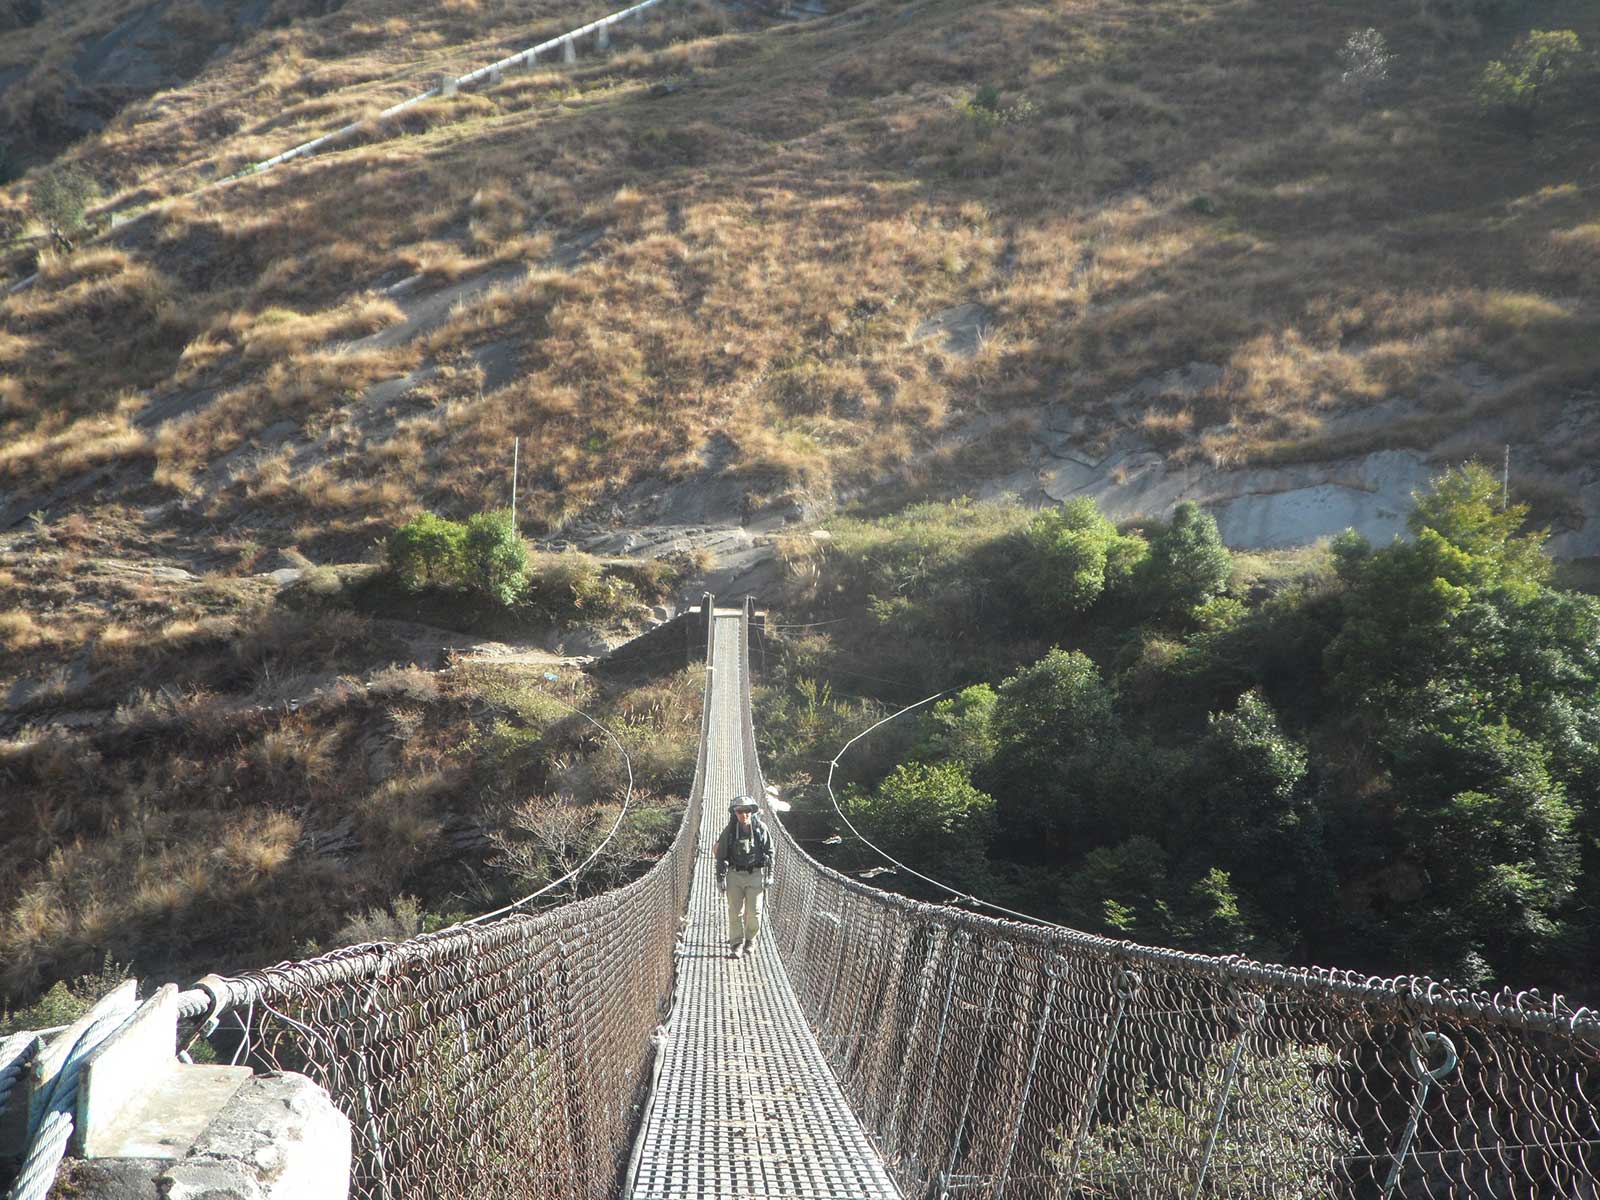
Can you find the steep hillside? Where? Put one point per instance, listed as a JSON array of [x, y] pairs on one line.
[[892, 243]]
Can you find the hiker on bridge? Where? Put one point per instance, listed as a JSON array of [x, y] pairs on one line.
[[744, 869]]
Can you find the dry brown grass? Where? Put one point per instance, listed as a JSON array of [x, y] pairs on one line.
[[200, 830], [751, 253]]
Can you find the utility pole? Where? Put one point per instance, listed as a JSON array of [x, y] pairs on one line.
[[1505, 481], [516, 445]]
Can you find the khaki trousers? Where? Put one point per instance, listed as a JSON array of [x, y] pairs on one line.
[[746, 898]]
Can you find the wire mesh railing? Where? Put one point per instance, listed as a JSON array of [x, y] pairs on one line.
[[506, 1059], [993, 1058]]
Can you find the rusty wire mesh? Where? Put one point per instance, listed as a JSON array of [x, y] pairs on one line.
[[994, 1058]]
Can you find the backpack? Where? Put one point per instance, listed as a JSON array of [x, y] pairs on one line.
[[751, 853]]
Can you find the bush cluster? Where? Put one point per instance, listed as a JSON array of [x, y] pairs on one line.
[[486, 558], [1387, 757], [984, 112], [1539, 66], [486, 555]]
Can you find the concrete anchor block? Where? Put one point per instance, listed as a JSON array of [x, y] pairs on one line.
[[135, 1100], [569, 51], [602, 37], [448, 86], [148, 1125], [494, 76], [50, 1051], [281, 1135]]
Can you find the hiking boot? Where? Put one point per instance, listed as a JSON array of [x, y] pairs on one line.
[[733, 951]]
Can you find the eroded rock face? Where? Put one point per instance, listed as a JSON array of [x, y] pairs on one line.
[[1098, 451], [959, 330], [1255, 507]]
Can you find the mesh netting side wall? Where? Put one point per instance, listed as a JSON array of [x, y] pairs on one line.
[[1000, 1059], [507, 1059]]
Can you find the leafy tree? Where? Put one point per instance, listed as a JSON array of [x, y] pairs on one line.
[[495, 558], [1247, 807], [1492, 833], [1188, 564], [1121, 891], [1052, 722], [1248, 776], [1463, 507], [931, 818], [1066, 568], [1060, 699], [427, 549], [1366, 59], [1522, 84], [961, 729], [1405, 599]]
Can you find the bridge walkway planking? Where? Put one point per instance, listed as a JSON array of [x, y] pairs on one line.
[[745, 1107]]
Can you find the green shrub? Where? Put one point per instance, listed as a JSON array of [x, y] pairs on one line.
[[961, 729], [930, 817], [1523, 83], [60, 199], [427, 549], [1188, 564], [1076, 555], [495, 561], [1280, 1136], [65, 1002], [986, 114], [1366, 59]]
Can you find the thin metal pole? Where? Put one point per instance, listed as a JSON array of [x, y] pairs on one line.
[[1127, 989], [1055, 966], [1254, 1007], [1426, 1078], [516, 446], [1003, 952]]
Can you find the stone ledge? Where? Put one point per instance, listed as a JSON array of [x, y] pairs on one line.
[[278, 1138]]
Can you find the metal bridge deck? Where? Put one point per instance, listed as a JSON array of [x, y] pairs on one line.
[[745, 1106]]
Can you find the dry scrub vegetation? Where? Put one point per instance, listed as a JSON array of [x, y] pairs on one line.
[[198, 771], [1125, 187], [199, 832]]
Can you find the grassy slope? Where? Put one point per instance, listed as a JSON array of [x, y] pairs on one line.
[[770, 234]]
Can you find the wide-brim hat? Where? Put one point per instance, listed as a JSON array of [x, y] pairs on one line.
[[743, 804]]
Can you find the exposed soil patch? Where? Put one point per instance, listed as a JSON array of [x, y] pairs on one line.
[[959, 330]]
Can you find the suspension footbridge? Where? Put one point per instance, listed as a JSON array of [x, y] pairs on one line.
[[745, 1104], [877, 1046]]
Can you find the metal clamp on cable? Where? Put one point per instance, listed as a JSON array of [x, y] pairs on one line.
[[1421, 1045], [1129, 984], [216, 987]]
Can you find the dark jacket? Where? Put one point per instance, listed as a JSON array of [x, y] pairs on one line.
[[752, 853]]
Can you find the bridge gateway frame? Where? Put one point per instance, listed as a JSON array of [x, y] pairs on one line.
[[985, 1058]]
